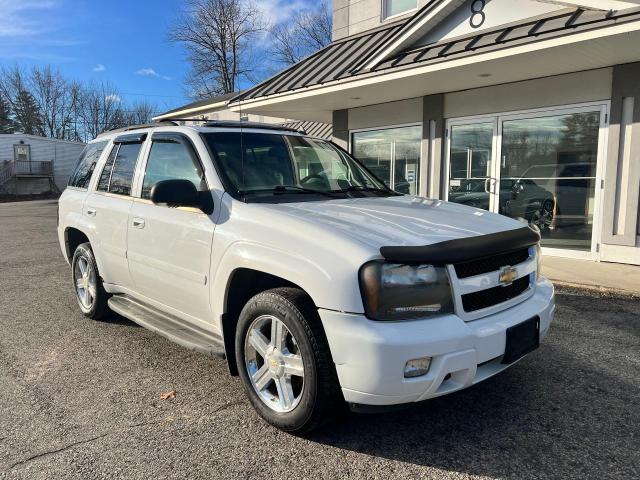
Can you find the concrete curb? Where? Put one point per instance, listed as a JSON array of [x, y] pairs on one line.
[[560, 285]]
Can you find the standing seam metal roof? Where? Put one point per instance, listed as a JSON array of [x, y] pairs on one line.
[[346, 58]]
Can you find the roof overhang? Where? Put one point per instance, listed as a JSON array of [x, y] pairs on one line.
[[188, 111], [587, 50]]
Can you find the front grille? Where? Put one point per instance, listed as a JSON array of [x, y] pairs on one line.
[[472, 302], [491, 264]]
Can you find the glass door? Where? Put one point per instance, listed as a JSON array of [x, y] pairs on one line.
[[548, 173], [393, 154], [540, 166], [471, 164]]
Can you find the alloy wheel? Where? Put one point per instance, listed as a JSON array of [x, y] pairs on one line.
[[84, 276], [274, 363]]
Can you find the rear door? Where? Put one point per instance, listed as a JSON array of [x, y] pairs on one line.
[[169, 249], [108, 205]]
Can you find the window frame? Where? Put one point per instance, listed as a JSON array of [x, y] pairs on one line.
[[387, 16], [130, 139], [183, 139]]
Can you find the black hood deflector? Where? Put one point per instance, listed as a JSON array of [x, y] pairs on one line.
[[463, 249]]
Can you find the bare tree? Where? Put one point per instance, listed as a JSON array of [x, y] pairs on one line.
[[219, 36], [100, 109], [140, 113], [307, 32], [57, 99]]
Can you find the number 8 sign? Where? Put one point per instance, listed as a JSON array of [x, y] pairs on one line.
[[477, 13]]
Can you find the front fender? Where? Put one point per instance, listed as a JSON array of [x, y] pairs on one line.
[[334, 288]]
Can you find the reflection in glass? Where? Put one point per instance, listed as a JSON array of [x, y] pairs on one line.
[[470, 164], [548, 172], [393, 154]]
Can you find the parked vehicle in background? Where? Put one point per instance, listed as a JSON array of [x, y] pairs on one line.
[[283, 254]]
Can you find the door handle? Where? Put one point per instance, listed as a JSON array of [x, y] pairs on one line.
[[91, 212], [138, 223]]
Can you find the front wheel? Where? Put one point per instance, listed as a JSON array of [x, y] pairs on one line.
[[90, 293], [284, 361]]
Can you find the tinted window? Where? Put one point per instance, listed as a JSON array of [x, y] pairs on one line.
[[117, 174], [86, 164], [103, 183], [123, 168], [171, 160]]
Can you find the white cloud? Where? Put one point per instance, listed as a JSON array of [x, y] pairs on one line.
[[113, 98], [147, 72], [150, 72], [17, 17], [278, 11], [99, 68]]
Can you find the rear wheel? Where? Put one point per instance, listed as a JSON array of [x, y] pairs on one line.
[[90, 293], [284, 361]]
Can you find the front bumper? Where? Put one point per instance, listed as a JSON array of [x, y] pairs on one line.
[[370, 356]]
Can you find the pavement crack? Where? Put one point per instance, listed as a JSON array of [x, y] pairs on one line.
[[58, 450], [83, 442]]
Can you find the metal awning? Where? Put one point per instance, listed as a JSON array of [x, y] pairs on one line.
[[345, 60]]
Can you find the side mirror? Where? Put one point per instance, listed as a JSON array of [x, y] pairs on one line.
[[176, 193]]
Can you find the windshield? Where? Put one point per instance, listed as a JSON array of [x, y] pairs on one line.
[[263, 163]]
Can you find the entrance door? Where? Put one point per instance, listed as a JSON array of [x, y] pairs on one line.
[[471, 163], [539, 166]]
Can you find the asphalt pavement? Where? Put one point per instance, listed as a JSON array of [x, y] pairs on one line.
[[81, 399]]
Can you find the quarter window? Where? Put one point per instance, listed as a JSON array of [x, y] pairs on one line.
[[117, 175], [86, 165], [396, 7], [171, 159]]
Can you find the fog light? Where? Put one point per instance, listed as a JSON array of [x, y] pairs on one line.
[[417, 367]]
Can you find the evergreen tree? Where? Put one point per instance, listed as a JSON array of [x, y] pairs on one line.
[[27, 114], [6, 123]]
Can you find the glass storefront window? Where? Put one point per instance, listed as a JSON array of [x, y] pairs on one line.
[[392, 154], [548, 175]]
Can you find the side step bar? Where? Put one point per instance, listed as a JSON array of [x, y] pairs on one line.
[[167, 325]]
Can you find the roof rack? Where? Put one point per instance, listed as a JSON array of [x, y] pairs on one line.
[[238, 124], [139, 127]]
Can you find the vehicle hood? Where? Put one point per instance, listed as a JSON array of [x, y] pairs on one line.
[[393, 221]]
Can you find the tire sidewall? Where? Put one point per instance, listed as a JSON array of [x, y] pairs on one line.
[[271, 304], [84, 251]]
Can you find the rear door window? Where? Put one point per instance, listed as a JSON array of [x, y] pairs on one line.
[[117, 174]]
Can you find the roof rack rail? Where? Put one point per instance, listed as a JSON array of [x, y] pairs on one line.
[[139, 127], [237, 124]]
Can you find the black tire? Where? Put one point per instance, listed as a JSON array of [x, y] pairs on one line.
[[99, 310], [321, 395]]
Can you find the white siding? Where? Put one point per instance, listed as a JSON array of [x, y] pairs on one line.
[[63, 154]]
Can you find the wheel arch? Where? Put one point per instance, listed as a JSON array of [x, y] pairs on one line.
[[242, 285], [72, 238]]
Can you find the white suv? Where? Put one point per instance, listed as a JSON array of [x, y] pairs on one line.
[[286, 256]]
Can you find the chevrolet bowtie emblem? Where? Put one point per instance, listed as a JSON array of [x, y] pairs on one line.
[[508, 275]]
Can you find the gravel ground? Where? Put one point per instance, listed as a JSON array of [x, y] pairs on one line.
[[81, 399]]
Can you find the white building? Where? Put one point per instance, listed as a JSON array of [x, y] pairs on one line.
[[529, 108], [32, 165]]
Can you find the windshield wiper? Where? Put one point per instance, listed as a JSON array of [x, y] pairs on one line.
[[281, 189], [361, 188]]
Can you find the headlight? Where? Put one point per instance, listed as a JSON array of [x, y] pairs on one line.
[[404, 292]]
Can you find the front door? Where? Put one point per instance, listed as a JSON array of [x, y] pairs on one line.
[[540, 166], [169, 249]]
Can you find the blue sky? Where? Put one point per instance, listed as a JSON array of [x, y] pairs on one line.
[[123, 42]]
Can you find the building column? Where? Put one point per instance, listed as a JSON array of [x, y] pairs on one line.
[[341, 128], [432, 168], [622, 183]]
